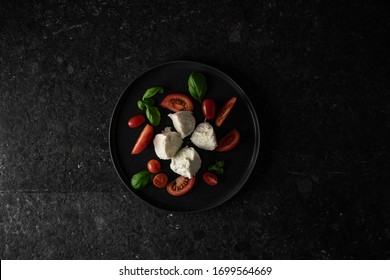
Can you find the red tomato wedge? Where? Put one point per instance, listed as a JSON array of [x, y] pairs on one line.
[[210, 178], [136, 121], [225, 111], [160, 180], [229, 141], [177, 102], [143, 140], [180, 185]]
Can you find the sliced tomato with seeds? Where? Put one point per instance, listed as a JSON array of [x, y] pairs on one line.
[[143, 140], [225, 111], [229, 141], [180, 185], [160, 180], [178, 102]]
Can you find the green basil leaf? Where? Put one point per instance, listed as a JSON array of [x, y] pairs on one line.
[[148, 101], [197, 86], [217, 167], [141, 105], [152, 92], [141, 179], [153, 115]]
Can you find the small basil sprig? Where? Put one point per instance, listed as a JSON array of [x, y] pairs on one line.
[[217, 167], [197, 86], [152, 112], [141, 179]]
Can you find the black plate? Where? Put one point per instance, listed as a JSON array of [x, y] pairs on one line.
[[173, 77]]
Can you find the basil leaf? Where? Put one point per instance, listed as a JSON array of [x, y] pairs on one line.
[[141, 179], [148, 101], [197, 85], [141, 105], [152, 92], [217, 167], [153, 115]]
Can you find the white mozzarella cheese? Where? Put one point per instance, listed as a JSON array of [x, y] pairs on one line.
[[204, 137], [186, 162], [167, 143], [184, 122]]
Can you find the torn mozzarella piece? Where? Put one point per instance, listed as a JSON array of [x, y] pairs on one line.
[[186, 162], [167, 143], [184, 122], [204, 137]]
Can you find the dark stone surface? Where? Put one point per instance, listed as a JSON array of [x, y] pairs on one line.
[[316, 72]]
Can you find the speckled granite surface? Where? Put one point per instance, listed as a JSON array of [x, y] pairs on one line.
[[316, 72]]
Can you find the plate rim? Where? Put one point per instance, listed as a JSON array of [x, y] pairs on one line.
[[243, 95]]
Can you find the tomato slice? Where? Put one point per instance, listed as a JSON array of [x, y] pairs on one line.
[[208, 108], [180, 185], [154, 166], [224, 112], [143, 140], [210, 178], [160, 180], [136, 121], [229, 141], [177, 102]]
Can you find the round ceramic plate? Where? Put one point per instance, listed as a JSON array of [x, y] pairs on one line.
[[239, 162]]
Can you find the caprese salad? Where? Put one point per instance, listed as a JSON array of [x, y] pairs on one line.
[[168, 144]]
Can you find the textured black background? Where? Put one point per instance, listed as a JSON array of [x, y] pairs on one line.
[[316, 72]]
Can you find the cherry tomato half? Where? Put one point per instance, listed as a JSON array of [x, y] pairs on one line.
[[160, 180], [208, 108], [210, 178], [154, 166], [180, 185], [177, 102], [225, 110], [143, 140], [229, 141], [136, 121]]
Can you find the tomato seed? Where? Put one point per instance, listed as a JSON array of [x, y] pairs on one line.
[[179, 104]]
